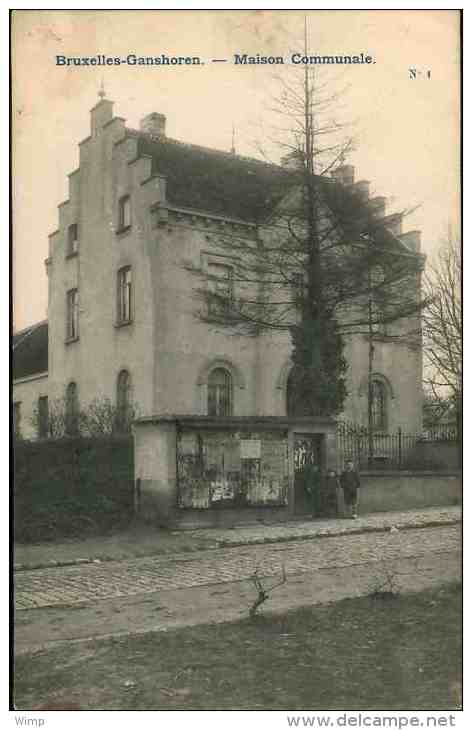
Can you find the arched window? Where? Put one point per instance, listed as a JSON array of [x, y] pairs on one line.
[[72, 410], [123, 401], [379, 406], [220, 393]]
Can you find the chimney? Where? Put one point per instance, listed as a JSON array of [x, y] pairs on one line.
[[412, 239], [344, 174], [378, 206], [362, 188], [154, 123], [394, 223]]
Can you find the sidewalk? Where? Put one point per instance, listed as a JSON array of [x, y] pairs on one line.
[[140, 540]]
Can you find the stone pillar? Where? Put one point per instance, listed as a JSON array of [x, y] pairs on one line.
[[291, 475], [154, 123], [330, 453], [155, 471]]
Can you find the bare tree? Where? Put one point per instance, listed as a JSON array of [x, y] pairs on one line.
[[263, 592], [100, 418], [442, 327], [307, 270]]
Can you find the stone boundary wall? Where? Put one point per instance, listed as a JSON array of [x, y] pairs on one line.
[[444, 454], [384, 491]]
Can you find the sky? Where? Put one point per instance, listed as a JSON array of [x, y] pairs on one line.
[[407, 130]]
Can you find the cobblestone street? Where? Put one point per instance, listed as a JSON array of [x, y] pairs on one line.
[[98, 581]]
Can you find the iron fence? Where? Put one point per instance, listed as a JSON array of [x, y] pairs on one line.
[[440, 432], [397, 450]]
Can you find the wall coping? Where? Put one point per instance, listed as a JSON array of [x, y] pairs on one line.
[[411, 473], [275, 422]]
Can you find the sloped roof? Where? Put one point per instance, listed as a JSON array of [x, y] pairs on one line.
[[30, 351], [233, 186], [214, 181]]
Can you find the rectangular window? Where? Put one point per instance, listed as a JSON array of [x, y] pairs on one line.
[[43, 417], [124, 219], [377, 318], [124, 295], [17, 419], [72, 239], [72, 332], [221, 289]]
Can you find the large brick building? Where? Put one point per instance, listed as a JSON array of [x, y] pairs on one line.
[[121, 312]]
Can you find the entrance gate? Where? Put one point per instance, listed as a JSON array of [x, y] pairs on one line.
[[314, 487], [307, 467]]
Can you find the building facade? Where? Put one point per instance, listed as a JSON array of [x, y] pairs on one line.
[[143, 211]]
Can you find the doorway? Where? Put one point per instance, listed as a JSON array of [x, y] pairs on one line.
[[307, 464]]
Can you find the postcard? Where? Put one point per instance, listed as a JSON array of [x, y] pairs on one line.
[[237, 331]]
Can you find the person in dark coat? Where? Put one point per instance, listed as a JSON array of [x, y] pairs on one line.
[[350, 483], [332, 485], [313, 487]]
